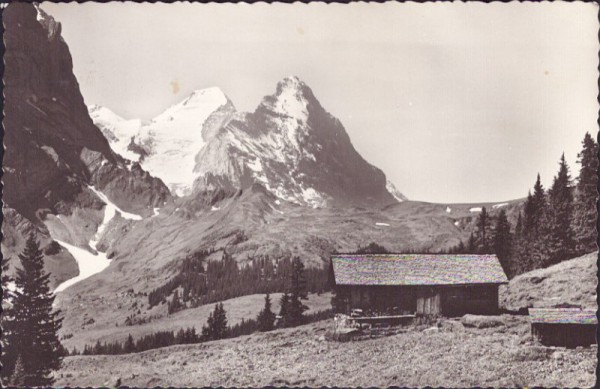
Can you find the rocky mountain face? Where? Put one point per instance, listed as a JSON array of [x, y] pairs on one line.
[[293, 147], [290, 144], [53, 150]]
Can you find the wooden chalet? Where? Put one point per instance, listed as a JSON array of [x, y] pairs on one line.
[[565, 327], [425, 284]]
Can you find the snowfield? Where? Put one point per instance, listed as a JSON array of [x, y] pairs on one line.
[[476, 209], [88, 262], [111, 208], [171, 140], [382, 224]]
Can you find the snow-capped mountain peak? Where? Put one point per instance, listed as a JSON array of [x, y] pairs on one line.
[[289, 99], [118, 131], [195, 108], [166, 147], [295, 149]]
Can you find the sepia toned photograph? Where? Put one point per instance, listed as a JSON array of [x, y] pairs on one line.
[[300, 195]]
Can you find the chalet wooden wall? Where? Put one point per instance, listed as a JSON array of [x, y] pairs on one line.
[[425, 300], [565, 335]]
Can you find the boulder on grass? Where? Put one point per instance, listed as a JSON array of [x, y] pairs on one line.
[[480, 321]]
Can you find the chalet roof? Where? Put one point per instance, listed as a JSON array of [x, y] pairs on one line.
[[417, 269], [562, 316]]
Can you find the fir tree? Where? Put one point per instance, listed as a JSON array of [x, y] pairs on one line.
[[284, 303], [535, 223], [296, 308], [19, 378], [560, 239], [216, 325], [175, 304], [471, 244], [129, 345], [520, 255], [585, 218], [36, 326], [266, 317], [482, 226], [6, 341], [503, 242]]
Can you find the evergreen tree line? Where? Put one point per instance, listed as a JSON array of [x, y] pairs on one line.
[[291, 314], [171, 338], [147, 342], [553, 225], [31, 350], [205, 282]]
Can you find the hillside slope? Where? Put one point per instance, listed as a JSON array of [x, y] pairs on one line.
[[104, 330], [145, 253], [453, 356], [570, 282], [499, 356]]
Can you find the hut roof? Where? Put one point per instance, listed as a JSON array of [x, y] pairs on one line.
[[417, 269], [562, 316]]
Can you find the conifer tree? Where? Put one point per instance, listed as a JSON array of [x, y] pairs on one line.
[[585, 218], [471, 244], [560, 237], [6, 341], [19, 377], [534, 209], [284, 303], [175, 304], [482, 226], [296, 308], [36, 326], [535, 223], [216, 325], [129, 345], [520, 254], [503, 242], [266, 317]]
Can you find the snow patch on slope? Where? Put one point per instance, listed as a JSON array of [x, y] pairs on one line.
[[499, 205], [475, 209], [88, 263], [91, 263], [111, 208], [382, 224]]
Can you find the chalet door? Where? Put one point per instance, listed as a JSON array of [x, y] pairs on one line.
[[428, 302]]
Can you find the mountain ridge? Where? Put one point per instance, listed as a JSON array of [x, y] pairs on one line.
[[277, 146]]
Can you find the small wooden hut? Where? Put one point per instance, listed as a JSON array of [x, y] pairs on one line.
[[565, 327], [425, 284]]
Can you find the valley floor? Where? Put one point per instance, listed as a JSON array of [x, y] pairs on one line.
[[451, 356]]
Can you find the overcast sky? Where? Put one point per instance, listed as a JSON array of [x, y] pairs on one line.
[[454, 102]]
